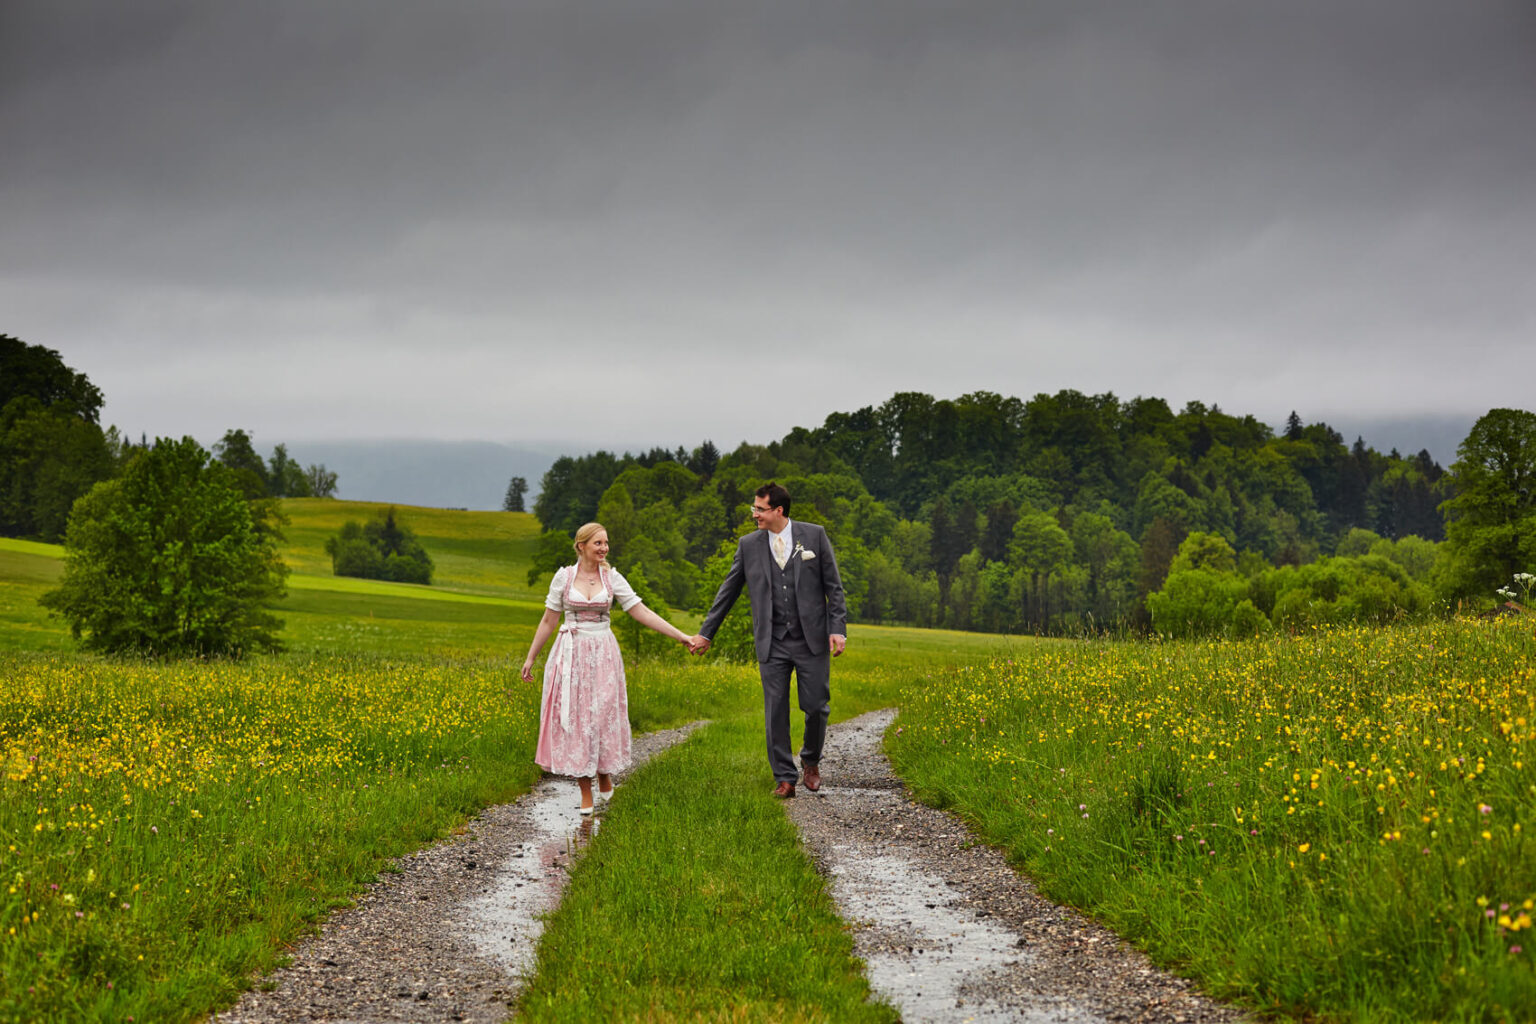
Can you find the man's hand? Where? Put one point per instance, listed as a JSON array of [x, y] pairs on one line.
[[698, 644], [837, 642]]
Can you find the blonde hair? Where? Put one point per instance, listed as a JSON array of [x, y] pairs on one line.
[[586, 533]]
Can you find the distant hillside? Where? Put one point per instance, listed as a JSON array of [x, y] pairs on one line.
[[438, 474]]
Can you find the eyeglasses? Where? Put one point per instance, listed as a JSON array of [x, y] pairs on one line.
[[762, 508]]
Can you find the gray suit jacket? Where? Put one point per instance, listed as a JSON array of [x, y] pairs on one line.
[[818, 588]]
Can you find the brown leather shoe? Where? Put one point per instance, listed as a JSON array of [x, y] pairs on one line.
[[784, 790], [811, 777]]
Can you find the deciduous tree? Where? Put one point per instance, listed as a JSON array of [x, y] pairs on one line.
[[1491, 532], [51, 447], [320, 481], [285, 477], [40, 373], [170, 559], [49, 457], [235, 450]]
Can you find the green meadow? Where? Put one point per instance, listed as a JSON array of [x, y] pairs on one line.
[[1335, 824], [1324, 827], [167, 828]]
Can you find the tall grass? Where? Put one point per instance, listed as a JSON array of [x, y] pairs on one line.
[[165, 828], [1335, 824]]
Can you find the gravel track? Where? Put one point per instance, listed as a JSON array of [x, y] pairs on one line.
[[948, 931], [450, 937]]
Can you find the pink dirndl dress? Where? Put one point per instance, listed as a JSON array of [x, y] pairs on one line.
[[584, 711]]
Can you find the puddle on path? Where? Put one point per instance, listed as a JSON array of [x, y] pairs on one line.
[[924, 902], [928, 953], [504, 924]]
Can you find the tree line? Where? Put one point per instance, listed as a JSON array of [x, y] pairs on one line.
[[1070, 511], [53, 449]]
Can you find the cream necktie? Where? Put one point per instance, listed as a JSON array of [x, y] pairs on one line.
[[780, 554]]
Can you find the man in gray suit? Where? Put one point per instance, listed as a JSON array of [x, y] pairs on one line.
[[799, 624]]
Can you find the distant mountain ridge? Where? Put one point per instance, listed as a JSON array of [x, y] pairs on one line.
[[438, 474]]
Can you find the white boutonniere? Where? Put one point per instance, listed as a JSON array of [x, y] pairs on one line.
[[804, 554]]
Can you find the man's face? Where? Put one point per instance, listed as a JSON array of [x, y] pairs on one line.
[[766, 517]]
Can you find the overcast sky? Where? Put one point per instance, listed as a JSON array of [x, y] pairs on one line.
[[628, 223]]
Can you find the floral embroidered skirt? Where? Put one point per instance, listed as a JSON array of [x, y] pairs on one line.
[[598, 740]]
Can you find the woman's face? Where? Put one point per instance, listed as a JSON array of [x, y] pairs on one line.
[[596, 546]]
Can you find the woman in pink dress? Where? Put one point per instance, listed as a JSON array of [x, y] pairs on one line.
[[584, 712]]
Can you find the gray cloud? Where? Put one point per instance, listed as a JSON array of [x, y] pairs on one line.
[[535, 222]]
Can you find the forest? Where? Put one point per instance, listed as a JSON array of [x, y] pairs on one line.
[[1073, 513]]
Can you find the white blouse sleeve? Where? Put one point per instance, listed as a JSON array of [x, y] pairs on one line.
[[555, 602], [622, 591]]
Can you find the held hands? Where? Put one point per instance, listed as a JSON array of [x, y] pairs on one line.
[[697, 644]]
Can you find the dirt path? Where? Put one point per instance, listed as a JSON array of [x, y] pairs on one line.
[[949, 932], [451, 936]]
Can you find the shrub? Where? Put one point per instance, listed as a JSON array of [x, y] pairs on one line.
[[1197, 602], [1248, 621], [382, 549], [170, 559], [1203, 592], [1342, 590]]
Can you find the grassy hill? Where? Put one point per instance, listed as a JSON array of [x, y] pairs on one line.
[[479, 553], [479, 604], [26, 570]]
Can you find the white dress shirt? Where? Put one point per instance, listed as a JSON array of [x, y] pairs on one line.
[[788, 542]]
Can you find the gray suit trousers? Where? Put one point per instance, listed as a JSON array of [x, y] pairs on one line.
[[813, 678]]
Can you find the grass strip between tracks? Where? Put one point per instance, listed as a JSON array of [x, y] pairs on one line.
[[695, 901]]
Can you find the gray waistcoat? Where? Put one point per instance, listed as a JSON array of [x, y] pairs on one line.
[[786, 609]]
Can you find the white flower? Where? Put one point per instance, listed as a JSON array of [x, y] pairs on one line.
[[1524, 577], [804, 554], [1506, 593]]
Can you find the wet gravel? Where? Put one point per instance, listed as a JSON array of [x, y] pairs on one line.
[[449, 937], [948, 931]]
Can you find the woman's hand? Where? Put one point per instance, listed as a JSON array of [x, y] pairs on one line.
[[546, 629]]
